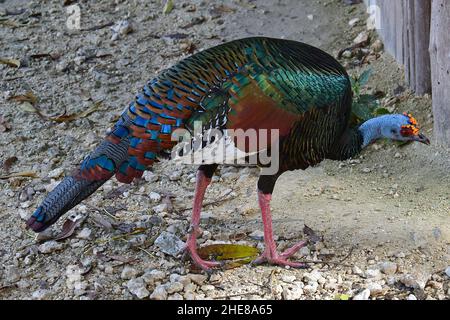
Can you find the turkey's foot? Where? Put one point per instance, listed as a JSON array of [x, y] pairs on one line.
[[271, 256], [191, 250]]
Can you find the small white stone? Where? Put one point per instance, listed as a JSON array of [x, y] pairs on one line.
[[155, 197], [373, 274], [412, 297], [354, 21], [174, 287], [292, 294], [128, 273], [363, 295], [198, 279], [40, 294], [313, 276], [362, 37], [288, 278], [356, 270], [257, 235], [56, 173], [389, 268], [152, 276], [310, 17], [163, 207], [50, 246], [86, 234], [304, 252], [311, 288], [159, 293], [137, 287], [375, 288], [447, 271]]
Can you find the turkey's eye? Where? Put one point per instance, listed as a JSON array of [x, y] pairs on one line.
[[394, 131]]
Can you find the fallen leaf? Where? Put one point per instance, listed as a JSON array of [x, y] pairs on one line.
[[168, 7], [27, 97], [238, 254], [102, 222], [117, 192], [26, 174], [69, 226], [84, 114], [7, 164], [343, 297], [312, 235], [195, 21], [10, 62]]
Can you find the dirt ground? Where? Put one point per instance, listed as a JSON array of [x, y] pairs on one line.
[[384, 216]]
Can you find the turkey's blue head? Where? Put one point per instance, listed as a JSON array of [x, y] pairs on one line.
[[397, 127], [404, 127]]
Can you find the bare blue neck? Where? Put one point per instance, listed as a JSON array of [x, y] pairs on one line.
[[378, 128]]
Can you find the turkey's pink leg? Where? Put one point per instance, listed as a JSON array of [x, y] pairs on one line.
[[270, 253], [191, 245]]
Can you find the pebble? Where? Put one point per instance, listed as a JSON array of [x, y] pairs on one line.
[[362, 37], [155, 197], [12, 274], [169, 243], [388, 267], [363, 295], [447, 271], [121, 28], [293, 293], [150, 176], [23, 214], [412, 297], [414, 281], [128, 273], [207, 287], [373, 274], [375, 288], [56, 173], [257, 235], [174, 287], [356, 270], [159, 293], [138, 288], [190, 287], [377, 46], [73, 275], [198, 279], [288, 278], [163, 207], [304, 252], [40, 294], [313, 276], [311, 288], [353, 22], [175, 176], [176, 296], [152, 276], [50, 246], [85, 234]]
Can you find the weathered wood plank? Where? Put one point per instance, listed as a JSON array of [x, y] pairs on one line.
[[440, 69]]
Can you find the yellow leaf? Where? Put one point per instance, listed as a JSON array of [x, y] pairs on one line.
[[168, 7], [238, 254], [10, 62]]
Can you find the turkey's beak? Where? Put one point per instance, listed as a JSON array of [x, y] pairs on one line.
[[423, 139]]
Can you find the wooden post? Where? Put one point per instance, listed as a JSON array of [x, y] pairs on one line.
[[440, 69], [422, 13]]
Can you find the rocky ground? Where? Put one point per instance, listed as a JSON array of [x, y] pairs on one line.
[[384, 217]]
